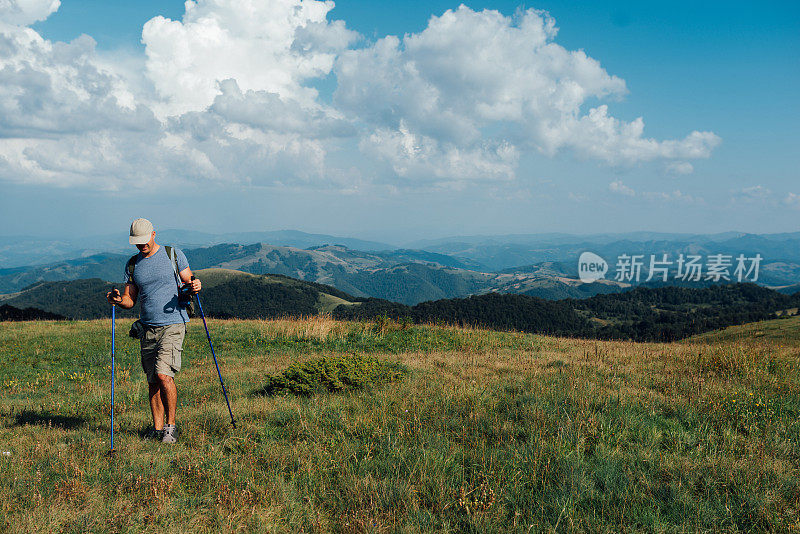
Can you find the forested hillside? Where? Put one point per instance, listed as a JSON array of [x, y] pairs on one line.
[[225, 294], [10, 313], [642, 314]]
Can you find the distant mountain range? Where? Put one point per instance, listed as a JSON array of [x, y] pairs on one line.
[[543, 265], [544, 239], [407, 276], [505, 252], [493, 252], [19, 251], [105, 266]]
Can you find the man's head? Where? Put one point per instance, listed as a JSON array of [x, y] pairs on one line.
[[142, 235]]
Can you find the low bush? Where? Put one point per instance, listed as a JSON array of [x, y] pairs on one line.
[[333, 374]]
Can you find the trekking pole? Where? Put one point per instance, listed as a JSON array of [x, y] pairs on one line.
[[113, 331], [224, 393]]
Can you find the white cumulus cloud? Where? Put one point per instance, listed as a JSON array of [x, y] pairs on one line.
[[225, 94], [64, 118], [268, 111], [49, 89], [268, 45], [469, 73], [419, 158], [68, 117], [25, 12]]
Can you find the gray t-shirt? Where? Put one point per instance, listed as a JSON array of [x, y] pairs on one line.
[[155, 279]]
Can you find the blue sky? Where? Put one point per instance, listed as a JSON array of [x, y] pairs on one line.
[[378, 167]]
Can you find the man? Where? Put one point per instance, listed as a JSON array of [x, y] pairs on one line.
[[150, 276]]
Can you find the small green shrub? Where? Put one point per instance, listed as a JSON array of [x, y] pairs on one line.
[[332, 374]]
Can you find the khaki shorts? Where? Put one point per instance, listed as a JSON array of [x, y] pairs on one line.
[[161, 350]]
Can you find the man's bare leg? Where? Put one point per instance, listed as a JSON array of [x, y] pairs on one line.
[[156, 406], [169, 396]]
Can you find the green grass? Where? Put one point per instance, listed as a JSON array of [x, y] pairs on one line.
[[488, 432], [784, 330]]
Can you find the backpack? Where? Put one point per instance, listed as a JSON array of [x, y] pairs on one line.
[[131, 265]]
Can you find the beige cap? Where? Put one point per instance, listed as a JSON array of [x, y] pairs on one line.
[[141, 231]]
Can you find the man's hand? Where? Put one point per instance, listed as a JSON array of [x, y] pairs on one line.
[[196, 285], [128, 298], [114, 297]]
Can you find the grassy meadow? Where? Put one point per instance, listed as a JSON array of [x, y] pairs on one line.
[[485, 432]]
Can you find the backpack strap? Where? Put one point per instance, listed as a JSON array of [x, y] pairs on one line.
[[173, 258], [130, 266], [171, 254]]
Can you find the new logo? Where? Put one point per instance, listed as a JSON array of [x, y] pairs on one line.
[[591, 267]]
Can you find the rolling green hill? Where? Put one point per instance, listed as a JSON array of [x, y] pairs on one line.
[[785, 329], [75, 299], [226, 293]]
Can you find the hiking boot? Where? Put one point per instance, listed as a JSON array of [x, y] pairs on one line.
[[170, 434], [153, 434]]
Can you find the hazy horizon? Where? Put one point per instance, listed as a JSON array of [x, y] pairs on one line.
[[122, 235]]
